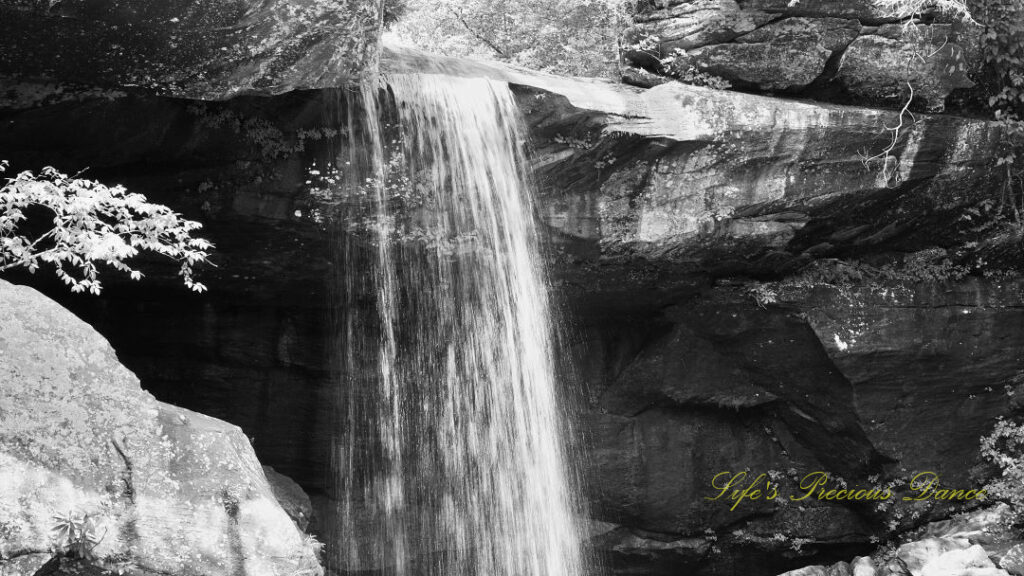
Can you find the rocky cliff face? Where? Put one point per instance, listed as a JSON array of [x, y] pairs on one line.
[[91, 465], [826, 49], [748, 283]]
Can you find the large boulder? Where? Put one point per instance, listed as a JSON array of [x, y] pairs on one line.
[[189, 48], [824, 49], [699, 23], [788, 54], [932, 60], [159, 488], [952, 547]]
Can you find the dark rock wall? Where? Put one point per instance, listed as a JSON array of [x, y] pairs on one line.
[[870, 384]]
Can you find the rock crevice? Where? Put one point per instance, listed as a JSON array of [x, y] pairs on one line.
[[828, 50]]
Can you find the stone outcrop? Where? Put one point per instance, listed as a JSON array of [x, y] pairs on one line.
[[152, 487], [187, 48], [291, 497], [973, 543], [717, 383], [809, 48]]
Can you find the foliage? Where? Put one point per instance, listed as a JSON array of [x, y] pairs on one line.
[[930, 265], [90, 224], [687, 74], [266, 139], [1004, 448], [394, 10], [571, 37], [1003, 81], [1003, 52], [914, 8], [763, 294], [75, 535], [675, 64]]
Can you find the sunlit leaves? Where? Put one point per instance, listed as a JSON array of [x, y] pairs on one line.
[[915, 8], [572, 37], [90, 224], [1003, 51]]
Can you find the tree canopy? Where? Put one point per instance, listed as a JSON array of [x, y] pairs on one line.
[[571, 37]]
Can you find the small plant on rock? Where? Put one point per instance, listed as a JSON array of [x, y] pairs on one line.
[[763, 295], [1004, 448], [676, 67], [75, 535]]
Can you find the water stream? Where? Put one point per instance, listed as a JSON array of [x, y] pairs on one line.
[[451, 456]]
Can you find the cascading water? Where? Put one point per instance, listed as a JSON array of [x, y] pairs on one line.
[[451, 459]]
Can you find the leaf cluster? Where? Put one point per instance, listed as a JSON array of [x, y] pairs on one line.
[[1003, 53], [75, 535], [570, 37], [90, 224], [1004, 448]]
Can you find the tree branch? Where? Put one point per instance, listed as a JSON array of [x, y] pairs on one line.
[[477, 35]]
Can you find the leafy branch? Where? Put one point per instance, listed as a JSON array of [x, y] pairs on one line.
[[462, 20], [91, 224]]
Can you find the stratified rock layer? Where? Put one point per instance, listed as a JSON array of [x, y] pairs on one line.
[[810, 47], [167, 490], [190, 48]]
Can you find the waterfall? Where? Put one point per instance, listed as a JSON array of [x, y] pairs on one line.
[[451, 456]]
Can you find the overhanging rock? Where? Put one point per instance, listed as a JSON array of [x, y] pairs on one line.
[[204, 49]]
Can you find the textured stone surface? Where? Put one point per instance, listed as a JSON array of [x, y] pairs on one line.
[[890, 345], [866, 11], [823, 49], [24, 564], [171, 490], [293, 500], [918, 555], [707, 178], [209, 50], [928, 58], [692, 24], [786, 55], [969, 544], [808, 571], [728, 385], [973, 561], [863, 566], [1013, 560]]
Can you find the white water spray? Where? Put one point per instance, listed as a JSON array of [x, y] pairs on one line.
[[452, 459]]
